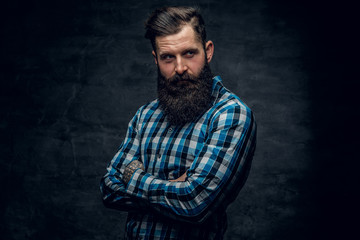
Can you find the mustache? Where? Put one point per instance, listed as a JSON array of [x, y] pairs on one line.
[[183, 77]]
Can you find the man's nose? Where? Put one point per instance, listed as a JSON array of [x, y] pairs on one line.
[[181, 66]]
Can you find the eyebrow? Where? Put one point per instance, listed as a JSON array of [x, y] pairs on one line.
[[195, 50]]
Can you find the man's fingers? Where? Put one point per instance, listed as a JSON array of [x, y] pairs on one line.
[[182, 178]]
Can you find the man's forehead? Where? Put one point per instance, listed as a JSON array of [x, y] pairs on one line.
[[186, 38]]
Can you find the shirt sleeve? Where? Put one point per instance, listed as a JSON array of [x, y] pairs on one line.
[[112, 185], [214, 178]]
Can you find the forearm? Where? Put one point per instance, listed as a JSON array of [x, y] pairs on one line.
[[112, 185], [134, 174]]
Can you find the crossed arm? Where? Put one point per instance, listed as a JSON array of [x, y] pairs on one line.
[[131, 168], [211, 181]]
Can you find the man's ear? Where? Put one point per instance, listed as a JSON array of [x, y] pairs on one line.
[[154, 54], [209, 48]]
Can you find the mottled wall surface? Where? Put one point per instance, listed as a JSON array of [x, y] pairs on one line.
[[73, 73]]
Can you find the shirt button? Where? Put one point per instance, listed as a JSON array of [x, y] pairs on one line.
[[170, 129]]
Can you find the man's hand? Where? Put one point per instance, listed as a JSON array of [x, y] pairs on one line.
[[130, 169], [182, 178]]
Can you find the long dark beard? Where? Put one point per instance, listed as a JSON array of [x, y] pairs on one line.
[[184, 97]]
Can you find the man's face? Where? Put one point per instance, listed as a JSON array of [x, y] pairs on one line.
[[181, 53], [184, 76]]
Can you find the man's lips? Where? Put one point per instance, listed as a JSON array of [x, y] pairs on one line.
[[184, 82]]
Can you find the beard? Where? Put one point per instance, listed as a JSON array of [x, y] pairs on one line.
[[184, 98]]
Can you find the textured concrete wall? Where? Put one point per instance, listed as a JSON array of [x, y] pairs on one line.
[[73, 73]]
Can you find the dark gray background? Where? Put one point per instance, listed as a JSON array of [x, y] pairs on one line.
[[73, 73]]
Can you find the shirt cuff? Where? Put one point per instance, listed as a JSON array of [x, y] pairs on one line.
[[139, 184]]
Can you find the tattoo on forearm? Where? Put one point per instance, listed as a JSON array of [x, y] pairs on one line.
[[130, 169]]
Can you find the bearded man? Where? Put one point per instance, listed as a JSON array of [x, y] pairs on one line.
[[187, 154]]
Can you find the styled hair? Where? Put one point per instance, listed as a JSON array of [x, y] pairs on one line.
[[170, 20]]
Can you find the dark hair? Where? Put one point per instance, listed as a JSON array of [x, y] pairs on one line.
[[169, 20]]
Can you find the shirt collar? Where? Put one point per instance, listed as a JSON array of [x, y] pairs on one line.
[[217, 85]]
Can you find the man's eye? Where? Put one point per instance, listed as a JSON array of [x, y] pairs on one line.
[[189, 54], [166, 57]]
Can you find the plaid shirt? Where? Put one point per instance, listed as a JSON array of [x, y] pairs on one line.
[[215, 151]]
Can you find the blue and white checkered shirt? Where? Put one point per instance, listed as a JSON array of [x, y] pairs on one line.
[[215, 151]]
